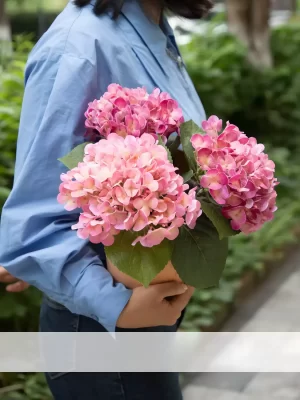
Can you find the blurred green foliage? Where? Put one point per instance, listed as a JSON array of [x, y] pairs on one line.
[[15, 6], [30, 23], [11, 95], [17, 312], [33, 16], [24, 387], [263, 103]]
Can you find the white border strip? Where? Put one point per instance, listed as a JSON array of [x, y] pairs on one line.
[[149, 352]]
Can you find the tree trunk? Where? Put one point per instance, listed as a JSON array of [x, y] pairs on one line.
[[5, 33], [238, 16], [249, 20]]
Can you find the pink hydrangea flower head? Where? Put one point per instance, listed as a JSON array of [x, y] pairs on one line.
[[128, 184], [238, 175], [133, 112]]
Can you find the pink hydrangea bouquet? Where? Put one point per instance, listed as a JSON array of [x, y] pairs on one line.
[[154, 200]]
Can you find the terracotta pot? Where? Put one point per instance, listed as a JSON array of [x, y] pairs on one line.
[[168, 274]]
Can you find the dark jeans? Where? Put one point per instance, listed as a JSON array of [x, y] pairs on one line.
[[103, 386]]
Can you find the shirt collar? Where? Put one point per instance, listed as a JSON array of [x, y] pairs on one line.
[[150, 32], [168, 29], [133, 11]]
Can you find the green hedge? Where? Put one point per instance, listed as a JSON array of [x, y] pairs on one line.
[[263, 103], [29, 23], [17, 312]]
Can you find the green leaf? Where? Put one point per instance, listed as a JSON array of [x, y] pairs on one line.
[[187, 176], [76, 156], [161, 143], [180, 161], [140, 263], [222, 224], [174, 143], [187, 130], [199, 256]]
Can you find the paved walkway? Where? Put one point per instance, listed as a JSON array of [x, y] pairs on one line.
[[274, 307]]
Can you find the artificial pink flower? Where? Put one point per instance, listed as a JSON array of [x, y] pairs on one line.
[[128, 184]]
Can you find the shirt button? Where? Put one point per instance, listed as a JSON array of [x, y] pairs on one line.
[[180, 61]]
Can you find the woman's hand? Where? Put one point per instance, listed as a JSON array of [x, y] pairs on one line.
[[14, 284], [158, 305]]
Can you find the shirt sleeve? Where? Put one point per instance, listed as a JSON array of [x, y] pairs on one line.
[[37, 244]]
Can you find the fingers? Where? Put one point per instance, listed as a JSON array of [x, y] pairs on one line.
[[183, 300], [5, 276], [169, 289], [17, 287]]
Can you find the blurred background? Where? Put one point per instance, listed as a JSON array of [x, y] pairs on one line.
[[244, 60]]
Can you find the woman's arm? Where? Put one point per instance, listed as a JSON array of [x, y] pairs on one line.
[[37, 244], [13, 285]]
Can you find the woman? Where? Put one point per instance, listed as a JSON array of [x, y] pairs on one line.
[[90, 45]]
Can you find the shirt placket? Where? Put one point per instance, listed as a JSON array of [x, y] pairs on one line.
[[173, 53]]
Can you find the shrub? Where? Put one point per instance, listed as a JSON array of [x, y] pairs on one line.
[[31, 23], [17, 312], [263, 103], [11, 95], [24, 387]]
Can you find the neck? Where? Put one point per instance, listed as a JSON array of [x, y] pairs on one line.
[[154, 9]]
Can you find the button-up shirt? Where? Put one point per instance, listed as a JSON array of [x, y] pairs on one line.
[[71, 65]]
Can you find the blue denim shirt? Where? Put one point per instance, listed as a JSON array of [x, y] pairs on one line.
[[71, 65]]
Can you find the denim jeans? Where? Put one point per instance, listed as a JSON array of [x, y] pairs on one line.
[[103, 386]]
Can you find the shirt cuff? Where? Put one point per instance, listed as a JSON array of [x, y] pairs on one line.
[[96, 296]]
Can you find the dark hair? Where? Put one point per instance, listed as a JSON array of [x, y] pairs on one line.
[[192, 9]]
